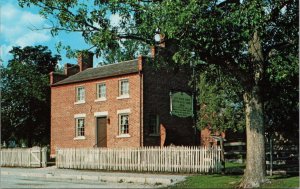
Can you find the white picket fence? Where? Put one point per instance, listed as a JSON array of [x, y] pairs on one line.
[[153, 159], [23, 157]]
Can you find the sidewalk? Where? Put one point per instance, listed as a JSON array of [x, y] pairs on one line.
[[117, 177]]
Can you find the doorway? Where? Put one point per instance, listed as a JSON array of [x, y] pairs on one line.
[[101, 130]]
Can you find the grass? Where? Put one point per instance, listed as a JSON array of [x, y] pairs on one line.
[[209, 181], [285, 181], [231, 181], [229, 165]]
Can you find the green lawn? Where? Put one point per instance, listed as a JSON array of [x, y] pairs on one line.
[[231, 181]]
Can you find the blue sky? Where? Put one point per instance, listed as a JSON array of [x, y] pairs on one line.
[[15, 30]]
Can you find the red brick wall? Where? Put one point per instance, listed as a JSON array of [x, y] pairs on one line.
[[206, 138], [63, 110], [157, 85]]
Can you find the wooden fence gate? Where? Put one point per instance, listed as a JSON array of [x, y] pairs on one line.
[[24, 157]]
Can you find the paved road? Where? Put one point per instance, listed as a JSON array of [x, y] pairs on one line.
[[51, 177], [13, 181]]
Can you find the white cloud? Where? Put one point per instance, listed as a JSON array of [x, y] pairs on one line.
[[15, 28]]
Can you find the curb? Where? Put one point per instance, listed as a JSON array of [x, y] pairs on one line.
[[118, 179]]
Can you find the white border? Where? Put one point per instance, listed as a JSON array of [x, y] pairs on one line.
[[79, 115], [99, 114], [124, 111]]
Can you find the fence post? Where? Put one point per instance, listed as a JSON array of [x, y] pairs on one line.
[[44, 156], [29, 157], [271, 155], [222, 156]]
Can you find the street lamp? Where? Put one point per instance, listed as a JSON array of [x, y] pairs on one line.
[[157, 36]]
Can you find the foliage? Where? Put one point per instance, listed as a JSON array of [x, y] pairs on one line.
[[25, 102], [220, 105], [128, 50], [282, 96]]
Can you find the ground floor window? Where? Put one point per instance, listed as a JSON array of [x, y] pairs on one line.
[[79, 127], [154, 124], [123, 123]]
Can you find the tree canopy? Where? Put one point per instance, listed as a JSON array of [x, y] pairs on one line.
[[220, 102], [25, 102], [252, 41]]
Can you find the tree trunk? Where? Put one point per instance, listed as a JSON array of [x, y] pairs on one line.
[[254, 174]]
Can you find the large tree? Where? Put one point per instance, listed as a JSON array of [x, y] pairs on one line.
[[240, 36], [25, 95]]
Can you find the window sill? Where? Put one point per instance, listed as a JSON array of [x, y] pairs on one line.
[[123, 97], [154, 135], [79, 138], [79, 102], [123, 136], [100, 100]]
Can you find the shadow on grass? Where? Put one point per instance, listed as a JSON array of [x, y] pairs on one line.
[[277, 177]]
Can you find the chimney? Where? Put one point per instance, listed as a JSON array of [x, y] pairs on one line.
[[162, 42], [140, 62], [153, 51], [85, 60], [56, 77], [70, 69]]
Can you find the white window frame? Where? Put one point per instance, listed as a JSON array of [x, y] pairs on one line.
[[121, 93], [120, 114], [101, 114], [98, 97], [77, 95], [77, 135], [157, 125]]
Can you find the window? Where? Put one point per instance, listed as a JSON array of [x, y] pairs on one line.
[[101, 91], [154, 124], [79, 127], [80, 93], [124, 87], [123, 124]]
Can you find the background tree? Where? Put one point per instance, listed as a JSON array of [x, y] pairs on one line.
[[25, 102], [282, 97], [221, 107], [128, 50], [238, 36]]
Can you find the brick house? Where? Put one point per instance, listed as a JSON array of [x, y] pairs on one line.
[[126, 104]]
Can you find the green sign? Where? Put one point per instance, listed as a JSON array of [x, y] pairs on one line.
[[181, 104]]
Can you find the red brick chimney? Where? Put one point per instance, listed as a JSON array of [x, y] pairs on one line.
[[56, 77], [70, 69], [85, 60]]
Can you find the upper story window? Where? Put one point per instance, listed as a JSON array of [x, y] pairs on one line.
[[124, 88], [101, 91], [80, 94], [154, 125]]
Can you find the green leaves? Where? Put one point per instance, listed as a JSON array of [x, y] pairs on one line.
[[25, 102], [220, 106]]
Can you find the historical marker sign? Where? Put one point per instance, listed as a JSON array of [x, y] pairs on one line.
[[181, 104]]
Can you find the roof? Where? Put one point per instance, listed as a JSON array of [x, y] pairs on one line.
[[116, 69]]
